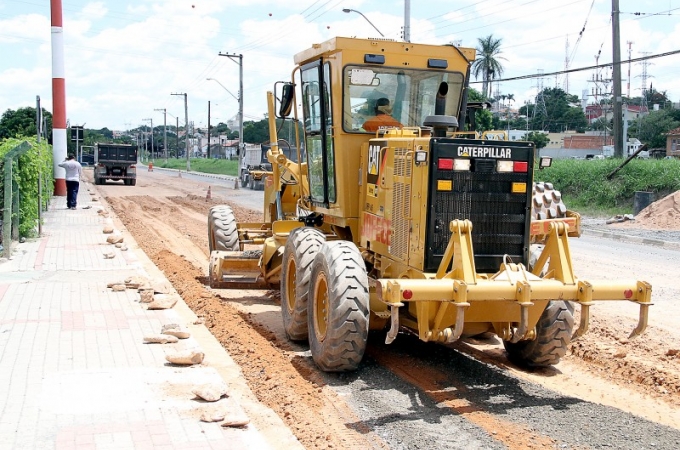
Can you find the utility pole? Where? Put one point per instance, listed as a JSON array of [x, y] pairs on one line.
[[208, 129], [616, 75], [241, 144], [186, 128], [165, 133], [147, 156]]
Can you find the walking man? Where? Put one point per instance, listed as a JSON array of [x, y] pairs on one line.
[[73, 172]]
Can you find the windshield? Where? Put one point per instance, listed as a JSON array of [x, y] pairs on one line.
[[384, 97]]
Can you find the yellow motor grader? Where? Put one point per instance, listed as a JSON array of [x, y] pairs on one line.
[[411, 227]]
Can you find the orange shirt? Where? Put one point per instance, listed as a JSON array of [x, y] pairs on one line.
[[381, 121]]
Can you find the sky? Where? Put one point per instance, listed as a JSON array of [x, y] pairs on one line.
[[124, 59]]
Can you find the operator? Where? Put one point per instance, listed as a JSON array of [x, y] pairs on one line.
[[382, 118]]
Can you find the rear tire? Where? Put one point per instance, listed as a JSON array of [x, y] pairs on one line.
[[553, 335], [298, 255], [222, 230], [133, 182], [338, 307]]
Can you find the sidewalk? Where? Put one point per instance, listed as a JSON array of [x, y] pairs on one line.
[[74, 371]]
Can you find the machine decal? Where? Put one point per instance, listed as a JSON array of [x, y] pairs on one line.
[[377, 228], [485, 152], [376, 165]]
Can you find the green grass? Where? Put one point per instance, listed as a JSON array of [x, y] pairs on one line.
[[585, 187], [216, 166]]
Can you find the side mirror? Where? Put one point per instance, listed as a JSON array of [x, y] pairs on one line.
[[286, 97]]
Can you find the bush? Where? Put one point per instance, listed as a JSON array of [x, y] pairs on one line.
[[26, 170]]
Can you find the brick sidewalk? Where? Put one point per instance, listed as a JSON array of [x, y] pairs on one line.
[[74, 372]]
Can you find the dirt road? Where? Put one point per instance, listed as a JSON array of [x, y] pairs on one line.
[[608, 392]]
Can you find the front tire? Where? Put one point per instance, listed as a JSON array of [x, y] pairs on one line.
[[553, 335], [222, 230], [338, 307], [298, 255]]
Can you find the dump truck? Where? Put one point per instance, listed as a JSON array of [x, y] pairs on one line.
[[115, 162], [419, 228]]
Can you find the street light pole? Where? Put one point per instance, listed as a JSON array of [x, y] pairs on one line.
[[407, 20], [347, 10], [241, 145], [186, 129], [165, 133]]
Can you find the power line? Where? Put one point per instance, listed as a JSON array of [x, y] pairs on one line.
[[581, 69]]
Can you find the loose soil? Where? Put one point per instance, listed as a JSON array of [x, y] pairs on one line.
[[170, 227]]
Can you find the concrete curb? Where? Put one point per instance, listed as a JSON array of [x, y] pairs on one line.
[[634, 239], [206, 175]]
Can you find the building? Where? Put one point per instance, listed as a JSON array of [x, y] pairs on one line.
[[673, 143]]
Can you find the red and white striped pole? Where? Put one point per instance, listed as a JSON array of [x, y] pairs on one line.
[[58, 99]]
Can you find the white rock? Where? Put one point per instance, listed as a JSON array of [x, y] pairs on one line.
[[213, 415], [118, 287], [210, 392], [114, 239], [146, 295], [186, 357], [176, 330], [107, 230], [160, 339], [237, 421], [162, 301], [109, 255]]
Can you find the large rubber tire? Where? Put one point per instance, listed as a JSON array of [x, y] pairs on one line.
[[302, 246], [245, 179], [222, 231], [338, 307], [133, 181], [553, 335]]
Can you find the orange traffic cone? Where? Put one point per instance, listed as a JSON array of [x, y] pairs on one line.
[[208, 196]]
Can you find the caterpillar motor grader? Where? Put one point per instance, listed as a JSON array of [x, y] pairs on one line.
[[413, 228]]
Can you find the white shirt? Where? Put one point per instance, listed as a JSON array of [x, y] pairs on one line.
[[73, 169]]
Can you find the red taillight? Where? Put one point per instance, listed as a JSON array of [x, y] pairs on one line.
[[445, 164], [407, 294], [520, 166]]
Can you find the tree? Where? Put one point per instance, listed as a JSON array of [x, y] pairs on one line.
[[539, 139], [22, 123], [652, 128], [558, 115], [487, 63]]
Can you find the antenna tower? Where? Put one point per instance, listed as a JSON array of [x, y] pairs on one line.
[[540, 110], [566, 65]]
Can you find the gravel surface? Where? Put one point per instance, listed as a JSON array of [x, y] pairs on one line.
[[628, 228]]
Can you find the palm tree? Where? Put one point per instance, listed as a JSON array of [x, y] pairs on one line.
[[487, 64]]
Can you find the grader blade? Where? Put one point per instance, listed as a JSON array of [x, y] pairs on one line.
[[236, 270]]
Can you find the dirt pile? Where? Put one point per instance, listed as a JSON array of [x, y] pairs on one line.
[[663, 214]]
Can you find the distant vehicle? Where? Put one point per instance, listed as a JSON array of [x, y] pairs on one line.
[[115, 162], [598, 157]]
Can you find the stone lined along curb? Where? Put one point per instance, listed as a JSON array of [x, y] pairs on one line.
[[635, 239]]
